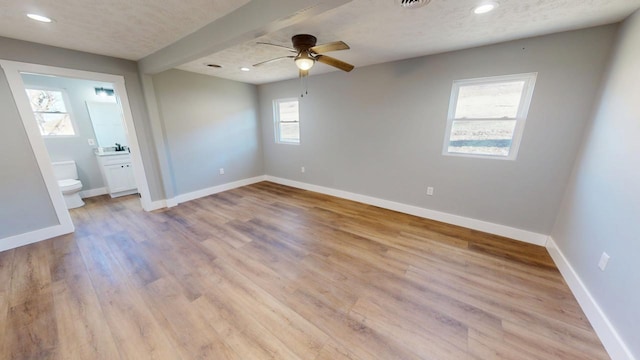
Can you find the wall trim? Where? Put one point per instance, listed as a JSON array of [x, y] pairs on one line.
[[213, 190], [610, 338], [484, 226], [156, 205], [12, 72], [57, 230], [31, 237], [93, 192], [607, 333]]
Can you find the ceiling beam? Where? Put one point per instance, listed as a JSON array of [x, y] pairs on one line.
[[255, 19]]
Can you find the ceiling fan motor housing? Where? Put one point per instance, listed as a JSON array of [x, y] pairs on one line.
[[308, 52], [302, 42]]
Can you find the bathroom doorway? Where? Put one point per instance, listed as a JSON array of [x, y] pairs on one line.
[[82, 126], [47, 130]]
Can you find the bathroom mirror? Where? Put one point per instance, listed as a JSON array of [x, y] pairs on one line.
[[107, 123]]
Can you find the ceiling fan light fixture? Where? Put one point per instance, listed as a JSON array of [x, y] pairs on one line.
[[304, 61], [308, 52]]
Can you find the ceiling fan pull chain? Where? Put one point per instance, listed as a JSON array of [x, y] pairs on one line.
[[304, 84]]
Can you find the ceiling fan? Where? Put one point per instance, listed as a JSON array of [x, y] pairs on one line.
[[307, 53]]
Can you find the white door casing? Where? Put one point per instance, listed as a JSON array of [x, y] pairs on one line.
[[12, 72]]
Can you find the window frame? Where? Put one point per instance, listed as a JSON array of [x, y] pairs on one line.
[[520, 119], [277, 122], [67, 104]]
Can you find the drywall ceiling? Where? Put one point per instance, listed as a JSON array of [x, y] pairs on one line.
[[128, 29], [377, 30], [380, 31]]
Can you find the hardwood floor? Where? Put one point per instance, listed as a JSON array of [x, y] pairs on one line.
[[271, 272]]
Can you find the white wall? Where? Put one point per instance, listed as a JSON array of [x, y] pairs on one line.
[[601, 207], [379, 130], [24, 200], [208, 123], [17, 50], [24, 203]]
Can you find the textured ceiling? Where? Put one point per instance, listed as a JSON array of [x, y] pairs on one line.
[[379, 31], [129, 29]]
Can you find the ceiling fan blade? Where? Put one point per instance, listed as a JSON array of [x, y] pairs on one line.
[[335, 63], [332, 46], [273, 60], [276, 45]]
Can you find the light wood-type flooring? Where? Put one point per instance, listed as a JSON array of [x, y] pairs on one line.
[[271, 272]]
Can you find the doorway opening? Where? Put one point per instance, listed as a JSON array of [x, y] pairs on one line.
[[80, 117], [82, 126]]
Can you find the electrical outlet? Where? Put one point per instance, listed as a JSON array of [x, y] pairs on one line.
[[430, 191], [604, 259], [91, 142], [302, 170], [221, 171]]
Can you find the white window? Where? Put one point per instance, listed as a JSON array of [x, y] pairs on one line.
[[51, 112], [286, 117], [487, 115]]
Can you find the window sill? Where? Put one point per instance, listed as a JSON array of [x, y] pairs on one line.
[[479, 156]]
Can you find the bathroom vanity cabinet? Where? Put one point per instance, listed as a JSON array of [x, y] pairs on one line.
[[117, 173]]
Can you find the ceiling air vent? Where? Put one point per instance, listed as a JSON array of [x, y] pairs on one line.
[[412, 4]]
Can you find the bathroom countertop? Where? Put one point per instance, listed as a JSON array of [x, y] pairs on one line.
[[112, 153]]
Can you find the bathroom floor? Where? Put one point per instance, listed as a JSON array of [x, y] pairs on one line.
[[271, 272]]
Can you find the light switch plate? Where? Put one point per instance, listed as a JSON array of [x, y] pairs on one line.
[[604, 259]]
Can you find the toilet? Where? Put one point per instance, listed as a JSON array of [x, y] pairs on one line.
[[67, 175]]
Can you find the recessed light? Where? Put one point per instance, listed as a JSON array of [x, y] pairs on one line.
[[245, 69], [485, 8], [40, 18]]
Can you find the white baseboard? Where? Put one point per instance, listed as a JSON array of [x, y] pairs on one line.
[[612, 342], [155, 205], [93, 192], [213, 190], [174, 201], [496, 229], [123, 193], [171, 202], [31, 237]]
